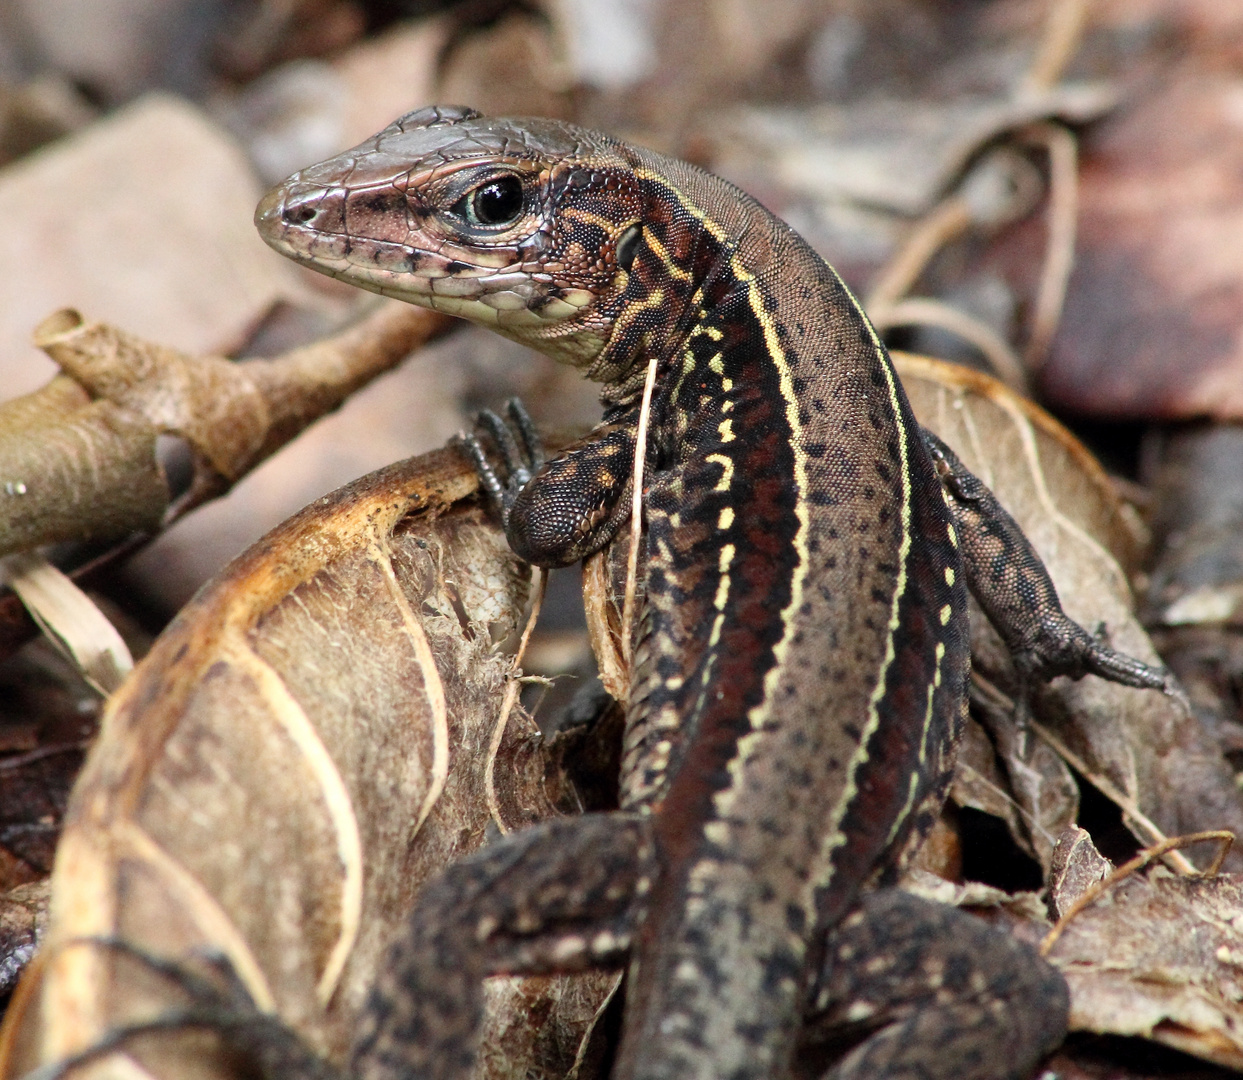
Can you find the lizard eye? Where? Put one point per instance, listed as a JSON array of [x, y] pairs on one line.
[[497, 202]]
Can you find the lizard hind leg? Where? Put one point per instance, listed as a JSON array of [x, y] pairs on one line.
[[562, 896], [1012, 585], [939, 993]]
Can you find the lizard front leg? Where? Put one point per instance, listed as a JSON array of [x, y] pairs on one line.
[[562, 896], [574, 503], [938, 993]]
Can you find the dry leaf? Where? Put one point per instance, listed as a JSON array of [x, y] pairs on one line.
[[900, 155], [34, 787], [1145, 744], [1151, 326], [168, 251], [1197, 486], [301, 748], [70, 620], [1035, 796], [78, 457], [1077, 866], [1157, 956]]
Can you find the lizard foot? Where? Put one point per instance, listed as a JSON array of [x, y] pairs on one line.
[[953, 999], [521, 451]]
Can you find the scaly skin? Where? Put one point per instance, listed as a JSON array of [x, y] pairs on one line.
[[799, 681], [799, 675]]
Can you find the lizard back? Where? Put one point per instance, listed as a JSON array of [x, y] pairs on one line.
[[801, 672], [800, 663]]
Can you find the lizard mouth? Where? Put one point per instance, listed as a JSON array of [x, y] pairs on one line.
[[353, 234]]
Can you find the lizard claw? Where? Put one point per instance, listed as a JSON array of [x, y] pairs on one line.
[[520, 448], [488, 480], [532, 444]]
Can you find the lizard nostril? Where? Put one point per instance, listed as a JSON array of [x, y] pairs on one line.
[[302, 215]]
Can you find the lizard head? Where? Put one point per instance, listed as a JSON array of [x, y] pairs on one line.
[[526, 226]]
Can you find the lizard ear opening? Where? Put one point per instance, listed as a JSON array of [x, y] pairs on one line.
[[628, 245]]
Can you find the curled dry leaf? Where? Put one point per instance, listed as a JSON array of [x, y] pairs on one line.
[[1197, 579], [77, 458], [1077, 866], [302, 747], [70, 619], [1021, 908], [1158, 270], [1157, 956], [1144, 744], [1031, 795]]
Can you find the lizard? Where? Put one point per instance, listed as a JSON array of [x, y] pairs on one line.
[[799, 668], [799, 672]]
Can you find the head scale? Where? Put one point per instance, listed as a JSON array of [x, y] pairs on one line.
[[529, 226]]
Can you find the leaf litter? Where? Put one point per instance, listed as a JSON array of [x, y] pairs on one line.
[[1142, 751]]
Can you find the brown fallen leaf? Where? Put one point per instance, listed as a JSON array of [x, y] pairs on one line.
[[304, 745], [1077, 867], [1157, 956], [169, 172], [1146, 746], [1194, 606], [513, 67], [1033, 794], [1197, 577], [1151, 326], [901, 155], [34, 788]]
